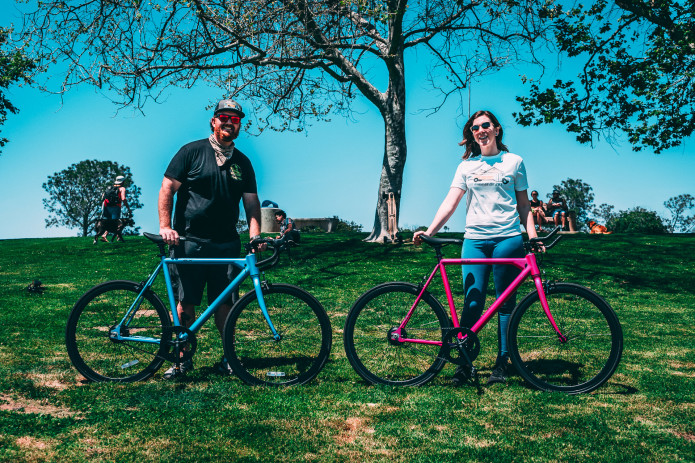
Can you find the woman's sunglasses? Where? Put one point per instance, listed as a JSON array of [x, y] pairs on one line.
[[484, 125]]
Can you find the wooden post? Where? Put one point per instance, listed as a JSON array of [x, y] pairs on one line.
[[392, 222]]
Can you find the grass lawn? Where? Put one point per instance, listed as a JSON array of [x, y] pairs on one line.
[[645, 413]]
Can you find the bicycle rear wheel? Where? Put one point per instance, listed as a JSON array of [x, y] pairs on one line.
[[297, 356], [95, 354], [589, 355], [378, 359]]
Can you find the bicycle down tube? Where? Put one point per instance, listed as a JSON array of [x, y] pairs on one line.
[[247, 267], [528, 267]]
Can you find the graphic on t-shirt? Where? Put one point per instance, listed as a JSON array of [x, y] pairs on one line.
[[489, 175], [235, 171]]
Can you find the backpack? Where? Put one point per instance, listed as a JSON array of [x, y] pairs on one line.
[[111, 195]]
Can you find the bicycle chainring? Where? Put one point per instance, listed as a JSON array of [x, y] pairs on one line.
[[179, 349], [461, 346]]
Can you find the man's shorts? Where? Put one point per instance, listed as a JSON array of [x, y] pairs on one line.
[[190, 280], [559, 211]]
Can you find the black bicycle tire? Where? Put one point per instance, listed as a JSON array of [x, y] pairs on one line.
[[77, 354], [532, 369], [351, 351], [306, 369]]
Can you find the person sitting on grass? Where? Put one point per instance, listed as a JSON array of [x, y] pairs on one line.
[[287, 227]]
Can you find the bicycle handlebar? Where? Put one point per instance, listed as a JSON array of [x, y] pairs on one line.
[[534, 243], [531, 245], [282, 244]]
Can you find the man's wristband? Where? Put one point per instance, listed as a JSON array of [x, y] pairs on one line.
[[254, 237]]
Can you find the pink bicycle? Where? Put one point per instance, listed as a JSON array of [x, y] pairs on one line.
[[561, 337]]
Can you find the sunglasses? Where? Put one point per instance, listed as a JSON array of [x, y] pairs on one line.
[[224, 118], [484, 125]]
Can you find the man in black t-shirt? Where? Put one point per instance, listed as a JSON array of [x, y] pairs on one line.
[[209, 177]]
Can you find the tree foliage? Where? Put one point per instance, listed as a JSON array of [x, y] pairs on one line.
[[75, 194], [637, 220], [603, 213], [14, 67], [293, 60], [579, 196], [637, 77], [678, 207]]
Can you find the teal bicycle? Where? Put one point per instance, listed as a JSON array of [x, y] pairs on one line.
[[277, 334]]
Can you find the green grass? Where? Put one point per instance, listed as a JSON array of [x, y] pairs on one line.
[[644, 413]]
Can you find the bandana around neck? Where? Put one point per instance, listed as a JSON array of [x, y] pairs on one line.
[[222, 154]]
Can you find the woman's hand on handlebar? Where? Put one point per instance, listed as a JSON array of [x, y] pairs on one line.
[[417, 240]]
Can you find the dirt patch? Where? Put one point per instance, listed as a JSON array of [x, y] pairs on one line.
[[50, 381], [685, 435], [28, 442], [8, 403]]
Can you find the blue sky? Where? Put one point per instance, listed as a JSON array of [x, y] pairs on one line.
[[330, 170]]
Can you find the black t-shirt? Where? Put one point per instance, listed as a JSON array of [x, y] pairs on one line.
[[207, 203]]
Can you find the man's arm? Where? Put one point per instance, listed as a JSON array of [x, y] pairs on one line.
[[165, 206], [252, 206]]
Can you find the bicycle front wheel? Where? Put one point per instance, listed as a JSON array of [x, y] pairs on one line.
[[368, 344], [99, 315], [588, 354], [299, 352]]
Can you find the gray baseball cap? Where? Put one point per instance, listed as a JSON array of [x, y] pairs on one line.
[[229, 105]]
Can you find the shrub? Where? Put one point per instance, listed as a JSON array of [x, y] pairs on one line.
[[637, 220], [344, 226]]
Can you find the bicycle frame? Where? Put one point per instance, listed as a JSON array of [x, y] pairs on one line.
[[247, 267], [528, 266]]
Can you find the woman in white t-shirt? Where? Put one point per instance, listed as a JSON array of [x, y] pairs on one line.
[[496, 206]]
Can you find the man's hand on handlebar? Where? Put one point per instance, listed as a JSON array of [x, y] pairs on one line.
[[260, 246], [170, 236]]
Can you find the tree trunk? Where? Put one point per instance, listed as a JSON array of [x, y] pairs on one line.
[[395, 150]]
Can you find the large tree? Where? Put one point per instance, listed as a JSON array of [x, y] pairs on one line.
[[294, 60], [75, 194], [14, 67], [637, 73]]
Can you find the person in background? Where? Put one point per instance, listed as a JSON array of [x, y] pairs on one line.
[[557, 207], [494, 183], [113, 200], [538, 210], [287, 227]]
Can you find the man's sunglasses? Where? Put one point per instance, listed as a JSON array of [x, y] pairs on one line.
[[224, 118], [484, 125]]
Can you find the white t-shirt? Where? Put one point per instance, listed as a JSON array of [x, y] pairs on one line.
[[491, 183]]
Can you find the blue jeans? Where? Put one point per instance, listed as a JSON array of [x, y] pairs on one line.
[[475, 279]]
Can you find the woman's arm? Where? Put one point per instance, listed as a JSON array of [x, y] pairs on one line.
[[523, 206], [445, 211]]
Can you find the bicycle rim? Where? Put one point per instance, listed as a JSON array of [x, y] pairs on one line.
[[588, 357], [99, 358], [366, 336], [300, 352]]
